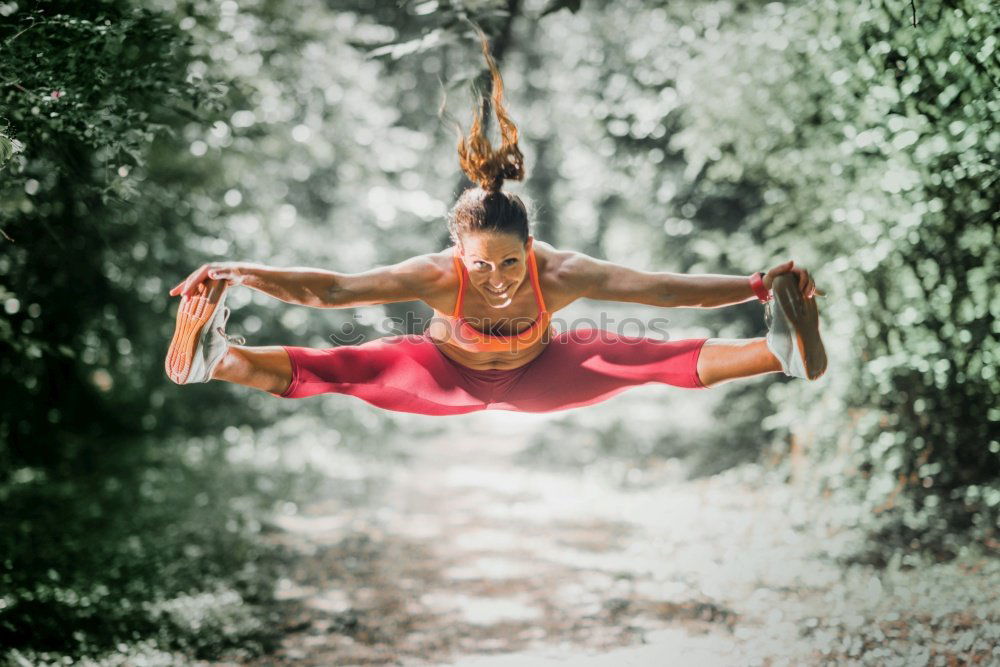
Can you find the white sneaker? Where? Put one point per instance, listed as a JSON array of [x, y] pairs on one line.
[[200, 340], [793, 330]]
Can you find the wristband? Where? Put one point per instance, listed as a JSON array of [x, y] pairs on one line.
[[757, 285]]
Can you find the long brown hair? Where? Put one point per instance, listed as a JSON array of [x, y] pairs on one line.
[[487, 207]]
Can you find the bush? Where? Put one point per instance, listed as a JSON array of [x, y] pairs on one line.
[[878, 169]]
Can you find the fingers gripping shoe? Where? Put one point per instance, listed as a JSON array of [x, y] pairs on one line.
[[793, 330], [200, 340]]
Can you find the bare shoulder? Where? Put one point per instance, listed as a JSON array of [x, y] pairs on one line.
[[427, 268], [431, 272], [430, 264], [565, 272], [563, 266]]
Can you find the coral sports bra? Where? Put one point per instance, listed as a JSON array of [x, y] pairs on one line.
[[463, 335]]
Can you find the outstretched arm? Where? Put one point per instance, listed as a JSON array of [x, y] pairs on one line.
[[318, 288], [598, 279]]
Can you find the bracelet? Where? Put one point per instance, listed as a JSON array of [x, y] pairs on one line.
[[757, 285]]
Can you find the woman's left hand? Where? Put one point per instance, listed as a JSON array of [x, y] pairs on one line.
[[806, 283]]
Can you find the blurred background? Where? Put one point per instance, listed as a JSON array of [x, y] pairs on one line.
[[146, 523]]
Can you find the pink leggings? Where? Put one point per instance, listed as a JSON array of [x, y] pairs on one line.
[[410, 374]]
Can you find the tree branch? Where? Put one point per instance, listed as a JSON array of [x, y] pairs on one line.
[[33, 24]]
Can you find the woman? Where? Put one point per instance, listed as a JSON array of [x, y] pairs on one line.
[[491, 345]]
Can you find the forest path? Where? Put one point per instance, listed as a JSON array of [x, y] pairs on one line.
[[464, 554]]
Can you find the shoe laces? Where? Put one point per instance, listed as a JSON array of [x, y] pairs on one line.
[[233, 339], [768, 313]]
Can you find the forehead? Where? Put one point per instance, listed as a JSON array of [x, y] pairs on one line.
[[484, 245]]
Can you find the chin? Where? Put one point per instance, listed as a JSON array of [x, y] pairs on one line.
[[495, 302]]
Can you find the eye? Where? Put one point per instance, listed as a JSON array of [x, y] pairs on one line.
[[510, 262], [479, 265]]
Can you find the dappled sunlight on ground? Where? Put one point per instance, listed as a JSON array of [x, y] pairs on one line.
[[487, 540], [454, 542], [460, 550]]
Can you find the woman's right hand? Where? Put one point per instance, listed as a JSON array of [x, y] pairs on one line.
[[231, 272]]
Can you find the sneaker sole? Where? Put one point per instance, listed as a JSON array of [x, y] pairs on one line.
[[803, 315], [192, 316]]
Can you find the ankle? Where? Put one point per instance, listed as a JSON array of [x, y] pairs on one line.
[[771, 360], [227, 367]]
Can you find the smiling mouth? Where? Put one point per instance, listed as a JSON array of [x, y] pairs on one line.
[[500, 292]]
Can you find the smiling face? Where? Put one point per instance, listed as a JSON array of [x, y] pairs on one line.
[[497, 264]]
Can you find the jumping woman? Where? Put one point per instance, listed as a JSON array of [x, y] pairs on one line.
[[491, 344]]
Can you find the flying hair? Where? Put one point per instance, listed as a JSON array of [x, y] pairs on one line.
[[486, 166]]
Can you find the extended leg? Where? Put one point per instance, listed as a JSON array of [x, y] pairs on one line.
[[587, 366], [266, 368], [402, 373], [729, 359]]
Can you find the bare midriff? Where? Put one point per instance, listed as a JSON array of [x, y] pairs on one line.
[[481, 361], [461, 341]]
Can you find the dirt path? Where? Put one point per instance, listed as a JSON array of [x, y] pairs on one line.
[[462, 555]]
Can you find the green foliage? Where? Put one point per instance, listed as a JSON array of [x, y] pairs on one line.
[[932, 299], [926, 612], [107, 204], [8, 148], [877, 167], [83, 117], [681, 136], [111, 75], [840, 135], [160, 543]]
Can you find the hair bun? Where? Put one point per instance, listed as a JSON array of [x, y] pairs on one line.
[[486, 166]]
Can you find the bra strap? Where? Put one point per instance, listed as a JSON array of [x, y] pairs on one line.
[[460, 269], [533, 267]]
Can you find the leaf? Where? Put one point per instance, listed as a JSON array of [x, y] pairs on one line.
[[15, 148], [6, 149]]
